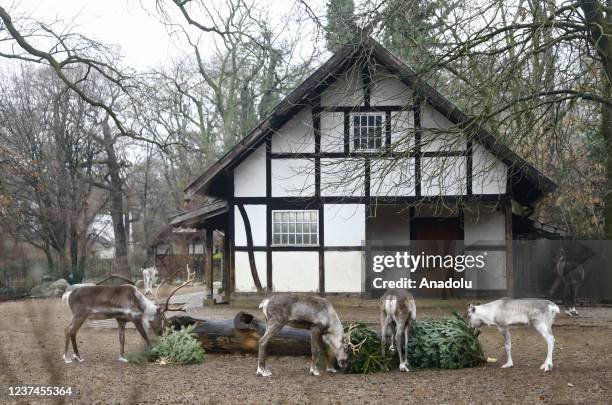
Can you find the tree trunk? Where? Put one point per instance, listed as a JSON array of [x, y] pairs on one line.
[[606, 131], [116, 204], [241, 335]]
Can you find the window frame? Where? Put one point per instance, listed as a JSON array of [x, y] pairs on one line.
[[383, 132], [295, 233]]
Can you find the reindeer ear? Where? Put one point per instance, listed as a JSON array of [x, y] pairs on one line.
[[471, 307]]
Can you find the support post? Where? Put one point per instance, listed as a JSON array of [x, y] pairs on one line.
[[209, 263], [509, 253]]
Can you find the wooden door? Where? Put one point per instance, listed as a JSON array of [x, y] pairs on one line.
[[436, 236]]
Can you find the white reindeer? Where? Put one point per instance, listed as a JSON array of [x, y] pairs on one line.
[[149, 276], [540, 314]]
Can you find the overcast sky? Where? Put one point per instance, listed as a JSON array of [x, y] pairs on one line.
[[136, 28]]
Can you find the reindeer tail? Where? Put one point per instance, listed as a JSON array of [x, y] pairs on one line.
[[66, 294], [263, 306], [553, 308]]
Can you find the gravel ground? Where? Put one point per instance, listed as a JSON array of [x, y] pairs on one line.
[[31, 344]]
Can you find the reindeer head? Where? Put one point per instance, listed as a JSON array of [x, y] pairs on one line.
[[474, 320], [159, 321]]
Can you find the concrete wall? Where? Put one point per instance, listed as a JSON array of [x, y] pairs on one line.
[[342, 177], [388, 90]]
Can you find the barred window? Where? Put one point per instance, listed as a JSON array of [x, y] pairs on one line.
[[368, 130], [295, 227]]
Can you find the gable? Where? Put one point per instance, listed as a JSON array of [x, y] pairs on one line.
[[389, 84]]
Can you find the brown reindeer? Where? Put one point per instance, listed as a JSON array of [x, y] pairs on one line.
[[397, 306], [570, 275], [305, 312], [121, 302]]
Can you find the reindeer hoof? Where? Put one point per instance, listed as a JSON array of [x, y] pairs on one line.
[[123, 360], [77, 358], [508, 365], [331, 370], [67, 359], [404, 367], [263, 372], [546, 367], [314, 371]]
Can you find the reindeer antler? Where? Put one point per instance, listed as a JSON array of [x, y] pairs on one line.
[[190, 278]]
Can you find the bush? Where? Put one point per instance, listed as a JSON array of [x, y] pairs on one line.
[[173, 347]]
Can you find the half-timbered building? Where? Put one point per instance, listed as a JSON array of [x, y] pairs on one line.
[[362, 155]]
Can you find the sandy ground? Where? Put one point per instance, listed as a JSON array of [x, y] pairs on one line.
[[31, 344]]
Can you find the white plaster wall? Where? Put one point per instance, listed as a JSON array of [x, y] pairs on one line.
[[387, 89], [293, 178], [332, 132], [392, 178], [244, 279], [343, 271], [443, 176], [344, 224], [250, 175], [489, 174], [257, 219], [493, 275], [296, 136], [342, 177], [346, 90], [436, 139], [484, 226], [295, 271], [402, 131]]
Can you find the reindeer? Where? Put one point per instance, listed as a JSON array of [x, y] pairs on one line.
[[121, 302], [540, 314], [571, 276], [304, 312], [148, 277], [397, 306]]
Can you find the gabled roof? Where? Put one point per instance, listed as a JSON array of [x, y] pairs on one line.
[[520, 170]]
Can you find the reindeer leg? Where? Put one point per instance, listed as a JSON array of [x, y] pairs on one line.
[[406, 338], [273, 328], [507, 345], [576, 286], [329, 357], [384, 322], [315, 348], [121, 326], [546, 333], [399, 331], [140, 328], [71, 331]]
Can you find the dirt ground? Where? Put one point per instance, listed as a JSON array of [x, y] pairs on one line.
[[31, 344]]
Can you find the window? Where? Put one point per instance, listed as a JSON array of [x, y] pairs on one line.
[[368, 130], [295, 228]]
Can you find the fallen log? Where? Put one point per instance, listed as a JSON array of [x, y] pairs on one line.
[[241, 335]]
